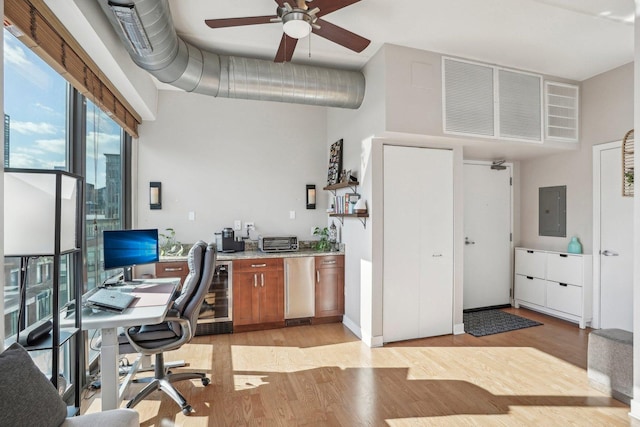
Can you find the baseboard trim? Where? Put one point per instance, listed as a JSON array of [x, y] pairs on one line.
[[352, 326], [458, 329]]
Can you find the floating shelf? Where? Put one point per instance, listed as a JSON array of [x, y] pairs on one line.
[[627, 164], [46, 342]]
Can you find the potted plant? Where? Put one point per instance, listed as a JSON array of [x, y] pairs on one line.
[[170, 246], [323, 244]]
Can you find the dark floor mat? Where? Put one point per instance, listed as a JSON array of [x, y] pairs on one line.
[[489, 322]]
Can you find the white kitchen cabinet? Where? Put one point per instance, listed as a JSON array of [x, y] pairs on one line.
[[555, 283]]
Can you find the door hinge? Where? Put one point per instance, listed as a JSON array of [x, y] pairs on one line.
[[511, 237], [510, 293], [510, 180]]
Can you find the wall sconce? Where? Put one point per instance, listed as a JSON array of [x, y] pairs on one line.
[[311, 196], [155, 195]]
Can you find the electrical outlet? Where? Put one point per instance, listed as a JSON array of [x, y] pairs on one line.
[[237, 225], [249, 226]]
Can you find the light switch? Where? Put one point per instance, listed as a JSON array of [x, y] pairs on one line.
[[237, 225], [292, 214], [192, 216]]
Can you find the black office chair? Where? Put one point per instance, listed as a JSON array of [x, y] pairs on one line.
[[177, 329]]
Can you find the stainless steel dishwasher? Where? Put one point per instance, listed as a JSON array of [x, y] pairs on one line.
[[299, 285]]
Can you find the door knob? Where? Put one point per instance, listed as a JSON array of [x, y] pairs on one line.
[[468, 242], [607, 252]]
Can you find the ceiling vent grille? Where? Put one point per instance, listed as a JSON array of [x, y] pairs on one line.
[[520, 101], [468, 98]]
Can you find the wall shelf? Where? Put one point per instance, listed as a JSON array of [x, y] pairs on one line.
[[333, 187], [361, 216]]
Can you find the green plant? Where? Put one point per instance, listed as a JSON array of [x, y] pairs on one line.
[[323, 244], [629, 176], [169, 246]]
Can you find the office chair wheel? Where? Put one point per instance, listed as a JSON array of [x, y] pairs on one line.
[[187, 410], [205, 381]]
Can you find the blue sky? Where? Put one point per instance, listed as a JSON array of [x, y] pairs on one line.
[[35, 99]]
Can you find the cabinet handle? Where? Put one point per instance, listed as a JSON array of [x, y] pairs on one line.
[[563, 284], [318, 275], [563, 255], [329, 262], [258, 265], [529, 277], [529, 252], [262, 280], [255, 280], [173, 269]]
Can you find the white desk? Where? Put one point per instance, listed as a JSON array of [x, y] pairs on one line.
[[109, 323]]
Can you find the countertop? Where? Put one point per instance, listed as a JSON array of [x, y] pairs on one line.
[[230, 256]]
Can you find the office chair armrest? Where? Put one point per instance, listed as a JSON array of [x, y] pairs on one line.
[[187, 334]]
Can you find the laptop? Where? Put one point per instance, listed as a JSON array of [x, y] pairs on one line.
[[110, 300]]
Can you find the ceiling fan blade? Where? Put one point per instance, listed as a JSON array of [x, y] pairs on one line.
[[328, 6], [286, 48], [235, 22], [341, 36]]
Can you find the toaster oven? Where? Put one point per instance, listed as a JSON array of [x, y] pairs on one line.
[[278, 243]]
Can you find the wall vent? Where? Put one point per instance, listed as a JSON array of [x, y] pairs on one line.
[[520, 103], [468, 98]]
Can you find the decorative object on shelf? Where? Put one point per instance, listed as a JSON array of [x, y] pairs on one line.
[[323, 243], [311, 196], [627, 164], [575, 247], [170, 246], [333, 236], [360, 206], [155, 195], [335, 163]]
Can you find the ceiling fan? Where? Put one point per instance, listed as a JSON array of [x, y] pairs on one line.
[[298, 20]]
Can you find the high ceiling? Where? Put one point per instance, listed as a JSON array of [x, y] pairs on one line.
[[574, 39]]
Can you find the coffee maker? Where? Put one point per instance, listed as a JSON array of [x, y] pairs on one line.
[[226, 242]]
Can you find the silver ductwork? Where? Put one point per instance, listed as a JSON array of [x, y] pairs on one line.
[[176, 62]]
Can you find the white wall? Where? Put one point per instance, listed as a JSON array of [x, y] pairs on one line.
[[227, 160], [606, 103]]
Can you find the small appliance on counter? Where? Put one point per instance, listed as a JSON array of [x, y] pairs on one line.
[[278, 243], [226, 242]]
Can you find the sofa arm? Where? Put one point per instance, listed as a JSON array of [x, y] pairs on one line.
[[114, 418]]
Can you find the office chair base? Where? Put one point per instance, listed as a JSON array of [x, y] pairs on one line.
[[164, 384]]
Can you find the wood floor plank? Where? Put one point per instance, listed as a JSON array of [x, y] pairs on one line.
[[322, 375]]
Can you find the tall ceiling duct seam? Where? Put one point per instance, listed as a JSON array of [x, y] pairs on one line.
[[183, 65]]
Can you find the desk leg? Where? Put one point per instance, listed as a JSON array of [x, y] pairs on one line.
[[109, 369]]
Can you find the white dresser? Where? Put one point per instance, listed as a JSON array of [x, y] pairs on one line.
[[555, 283]]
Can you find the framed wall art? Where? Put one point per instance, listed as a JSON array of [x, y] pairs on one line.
[[335, 163]]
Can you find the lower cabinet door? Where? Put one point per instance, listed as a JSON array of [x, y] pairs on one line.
[[530, 289], [564, 297]]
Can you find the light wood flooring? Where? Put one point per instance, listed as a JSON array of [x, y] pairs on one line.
[[322, 375]]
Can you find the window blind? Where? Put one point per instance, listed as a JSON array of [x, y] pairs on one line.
[[41, 31]]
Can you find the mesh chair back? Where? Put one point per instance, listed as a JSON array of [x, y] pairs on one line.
[[195, 260]]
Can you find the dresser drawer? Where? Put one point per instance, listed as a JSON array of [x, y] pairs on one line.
[[172, 269], [530, 289], [564, 268], [257, 264], [564, 297], [530, 263]]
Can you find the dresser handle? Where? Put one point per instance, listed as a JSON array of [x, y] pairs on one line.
[[529, 277], [255, 280], [529, 252], [563, 284], [173, 269], [258, 265], [563, 255], [318, 275], [329, 262]]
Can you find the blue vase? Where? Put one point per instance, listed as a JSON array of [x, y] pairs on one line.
[[575, 247]]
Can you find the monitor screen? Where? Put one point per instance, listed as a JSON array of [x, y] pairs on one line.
[[125, 248]]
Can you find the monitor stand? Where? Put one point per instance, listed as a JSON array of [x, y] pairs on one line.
[[127, 274]]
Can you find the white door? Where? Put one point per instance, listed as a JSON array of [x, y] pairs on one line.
[[418, 243], [615, 229], [487, 231]]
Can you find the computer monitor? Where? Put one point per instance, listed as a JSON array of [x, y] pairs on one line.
[[126, 248]]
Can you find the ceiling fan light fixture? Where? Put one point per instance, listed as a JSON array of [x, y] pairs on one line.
[[297, 24]]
